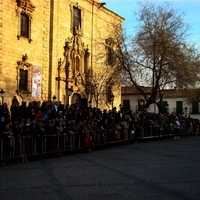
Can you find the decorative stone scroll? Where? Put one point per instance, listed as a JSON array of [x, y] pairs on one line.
[[26, 5]]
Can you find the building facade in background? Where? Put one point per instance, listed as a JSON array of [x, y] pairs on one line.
[[174, 100], [50, 48]]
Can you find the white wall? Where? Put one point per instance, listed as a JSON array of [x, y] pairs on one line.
[[153, 108]]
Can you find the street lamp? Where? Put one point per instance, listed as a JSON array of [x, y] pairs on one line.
[[54, 97], [2, 92], [112, 99]]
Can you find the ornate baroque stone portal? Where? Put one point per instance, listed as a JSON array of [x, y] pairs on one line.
[[76, 57]]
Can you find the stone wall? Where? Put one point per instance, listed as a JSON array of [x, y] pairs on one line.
[[50, 27]]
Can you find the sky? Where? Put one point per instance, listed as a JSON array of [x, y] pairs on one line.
[[191, 9]]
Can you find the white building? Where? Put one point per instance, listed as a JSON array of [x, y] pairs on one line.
[[174, 100]]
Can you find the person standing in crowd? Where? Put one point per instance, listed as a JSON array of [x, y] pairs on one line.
[[23, 110], [4, 112], [189, 125], [25, 142], [33, 134], [40, 136], [15, 99], [177, 126], [15, 110], [7, 145], [38, 115]]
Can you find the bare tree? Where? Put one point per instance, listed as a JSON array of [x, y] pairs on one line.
[[99, 83], [158, 56]]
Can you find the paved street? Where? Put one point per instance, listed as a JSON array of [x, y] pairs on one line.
[[163, 170]]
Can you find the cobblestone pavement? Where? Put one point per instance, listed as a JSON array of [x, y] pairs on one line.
[[164, 170]]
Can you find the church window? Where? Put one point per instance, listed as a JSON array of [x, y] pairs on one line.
[[25, 15], [24, 25], [23, 80], [76, 18]]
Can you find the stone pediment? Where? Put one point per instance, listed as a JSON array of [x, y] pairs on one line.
[[26, 5]]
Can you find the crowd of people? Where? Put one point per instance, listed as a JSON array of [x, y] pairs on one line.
[[36, 119]]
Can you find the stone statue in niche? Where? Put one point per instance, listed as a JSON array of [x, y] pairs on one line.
[[70, 73], [78, 80]]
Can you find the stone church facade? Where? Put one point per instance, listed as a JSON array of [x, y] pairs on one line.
[[48, 47]]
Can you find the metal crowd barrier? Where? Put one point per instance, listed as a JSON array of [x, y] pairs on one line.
[[54, 145]]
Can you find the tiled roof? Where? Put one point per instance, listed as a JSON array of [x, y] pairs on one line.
[[168, 93]]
